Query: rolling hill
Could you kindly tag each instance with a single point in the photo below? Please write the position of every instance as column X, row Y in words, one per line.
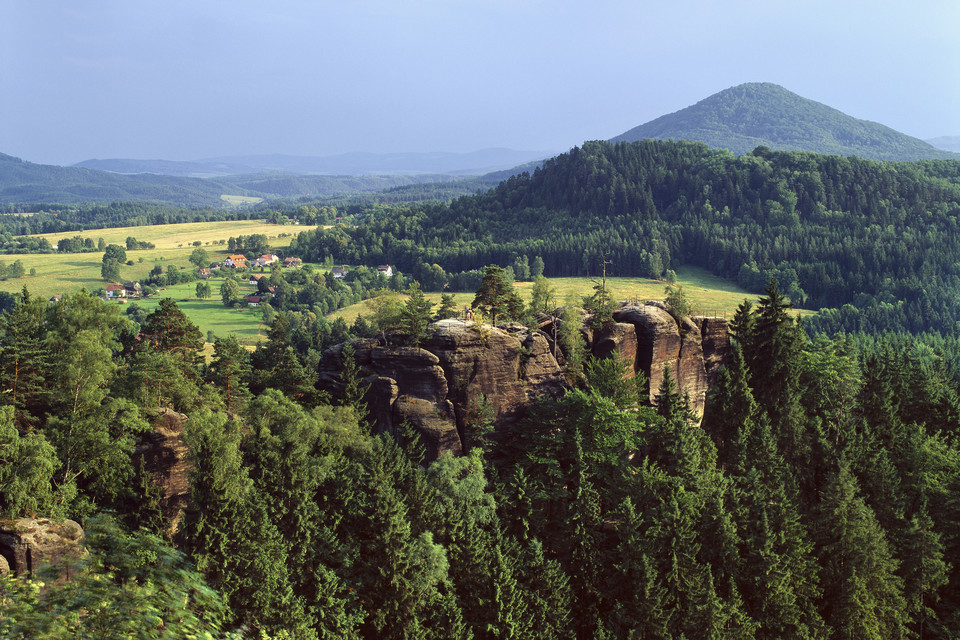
column 750, row 115
column 22, row 181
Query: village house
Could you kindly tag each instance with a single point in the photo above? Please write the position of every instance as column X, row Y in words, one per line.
column 292, row 262
column 339, row 272
column 266, row 260
column 204, row 273
column 255, row 278
column 214, row 266
column 116, row 291
column 253, row 301
column 235, row 262
column 133, row 289
column 385, row 270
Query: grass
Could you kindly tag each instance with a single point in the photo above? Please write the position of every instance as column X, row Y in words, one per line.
column 708, row 294
column 210, row 314
column 175, row 236
column 69, row 272
column 236, row 201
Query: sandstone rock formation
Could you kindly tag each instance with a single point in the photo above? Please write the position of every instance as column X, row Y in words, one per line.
column 27, row 543
column 164, row 455
column 436, row 388
column 692, row 348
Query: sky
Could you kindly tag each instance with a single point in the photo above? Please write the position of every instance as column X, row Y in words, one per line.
column 193, row 79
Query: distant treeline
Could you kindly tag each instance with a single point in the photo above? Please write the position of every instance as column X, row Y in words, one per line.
column 876, row 242
column 56, row 218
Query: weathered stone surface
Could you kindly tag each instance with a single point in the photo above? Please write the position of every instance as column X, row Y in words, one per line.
column 658, row 341
column 689, row 371
column 437, row 387
column 382, row 392
column 436, row 424
column 479, row 359
column 617, row 339
column 694, row 348
column 540, row 370
column 164, row 455
column 715, row 338
column 27, row 544
column 416, row 371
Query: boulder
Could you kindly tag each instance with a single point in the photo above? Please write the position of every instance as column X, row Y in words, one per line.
column 164, row 455
column 28, row 543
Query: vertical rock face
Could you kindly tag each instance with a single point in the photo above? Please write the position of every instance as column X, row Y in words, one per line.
column 27, row 544
column 164, row 455
column 437, row 387
column 694, row 348
column 618, row 339
column 716, row 344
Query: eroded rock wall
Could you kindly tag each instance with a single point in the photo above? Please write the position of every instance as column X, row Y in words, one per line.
column 26, row 544
column 437, row 388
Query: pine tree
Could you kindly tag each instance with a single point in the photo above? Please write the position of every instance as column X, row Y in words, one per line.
column 24, row 359
column 230, row 370
column 862, row 594
column 415, row 316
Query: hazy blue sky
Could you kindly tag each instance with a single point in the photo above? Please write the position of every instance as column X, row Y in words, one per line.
column 187, row 79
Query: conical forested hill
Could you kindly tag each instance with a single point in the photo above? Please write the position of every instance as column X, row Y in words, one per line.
column 750, row 115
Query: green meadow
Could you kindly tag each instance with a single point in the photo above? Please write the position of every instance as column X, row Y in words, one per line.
column 210, row 315
column 65, row 272
column 709, row 295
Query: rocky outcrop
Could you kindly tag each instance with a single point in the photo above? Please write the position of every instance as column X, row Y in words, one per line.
column 437, row 388
column 715, row 339
column 692, row 348
column 163, row 453
column 28, row 543
column 617, row 339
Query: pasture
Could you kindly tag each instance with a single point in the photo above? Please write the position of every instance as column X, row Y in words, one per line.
column 246, row 323
column 709, row 295
column 67, row 272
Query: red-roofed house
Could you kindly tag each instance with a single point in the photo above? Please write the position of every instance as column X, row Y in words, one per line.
column 235, row 262
column 116, row 291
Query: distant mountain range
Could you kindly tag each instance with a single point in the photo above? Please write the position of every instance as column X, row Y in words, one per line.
column 349, row 164
column 947, row 143
column 739, row 119
column 22, row 181
column 763, row 114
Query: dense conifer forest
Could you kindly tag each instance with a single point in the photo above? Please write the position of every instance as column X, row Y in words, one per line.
column 875, row 244
column 818, row 498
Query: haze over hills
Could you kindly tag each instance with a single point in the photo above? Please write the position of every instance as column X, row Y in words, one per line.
column 947, row 143
column 22, row 181
column 746, row 116
column 353, row 164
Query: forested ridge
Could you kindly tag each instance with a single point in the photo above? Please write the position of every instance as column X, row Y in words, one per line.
column 749, row 115
column 818, row 500
column 874, row 243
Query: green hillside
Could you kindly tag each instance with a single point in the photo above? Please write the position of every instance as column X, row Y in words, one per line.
column 877, row 242
column 747, row 116
column 22, row 181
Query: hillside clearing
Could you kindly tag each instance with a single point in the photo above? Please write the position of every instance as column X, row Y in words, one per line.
column 709, row 294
